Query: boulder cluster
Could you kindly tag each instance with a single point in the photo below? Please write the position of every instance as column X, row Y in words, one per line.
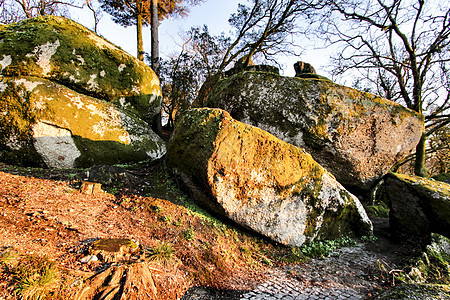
column 69, row 98
column 260, row 181
column 277, row 155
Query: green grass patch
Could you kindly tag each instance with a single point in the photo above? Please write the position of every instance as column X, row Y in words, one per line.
column 164, row 253
column 318, row 249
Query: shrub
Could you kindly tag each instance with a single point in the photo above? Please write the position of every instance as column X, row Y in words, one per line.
column 35, row 277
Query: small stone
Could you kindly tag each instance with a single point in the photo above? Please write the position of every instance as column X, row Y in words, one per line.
column 89, row 258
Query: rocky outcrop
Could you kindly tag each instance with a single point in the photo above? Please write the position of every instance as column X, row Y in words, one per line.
column 418, row 206
column 259, row 181
column 47, row 124
column 301, row 68
column 357, row 136
column 69, row 98
column 63, row 51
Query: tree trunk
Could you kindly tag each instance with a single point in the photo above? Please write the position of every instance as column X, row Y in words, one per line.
column 419, row 165
column 42, row 8
column 154, row 36
column 140, row 43
column 157, row 123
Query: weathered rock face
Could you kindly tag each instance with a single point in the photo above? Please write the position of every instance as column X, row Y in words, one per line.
column 259, row 181
column 303, row 68
column 69, row 98
column 44, row 123
column 63, row 51
column 418, row 206
column 356, row 136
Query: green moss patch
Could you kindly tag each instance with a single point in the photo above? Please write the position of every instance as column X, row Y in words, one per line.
column 102, row 133
column 381, row 210
column 427, row 185
column 70, row 54
column 106, row 153
column 416, row 291
column 258, row 180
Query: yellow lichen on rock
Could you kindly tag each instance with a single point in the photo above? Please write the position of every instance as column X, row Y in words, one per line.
column 260, row 181
column 63, row 51
column 69, row 129
column 355, row 135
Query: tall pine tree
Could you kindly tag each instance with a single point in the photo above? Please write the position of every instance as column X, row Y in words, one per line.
column 137, row 13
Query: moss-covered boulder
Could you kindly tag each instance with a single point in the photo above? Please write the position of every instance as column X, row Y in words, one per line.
column 259, row 181
column 416, row 292
column 418, row 206
column 357, row 136
column 47, row 124
column 65, row 52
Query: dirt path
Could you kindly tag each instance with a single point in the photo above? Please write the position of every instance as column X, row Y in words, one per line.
column 349, row 273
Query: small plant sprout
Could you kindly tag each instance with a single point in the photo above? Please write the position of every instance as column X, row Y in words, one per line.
column 163, row 253
column 35, row 277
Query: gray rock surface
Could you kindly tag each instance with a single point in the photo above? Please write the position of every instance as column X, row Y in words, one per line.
column 69, row 98
column 261, row 182
column 356, row 136
column 66, row 129
column 65, row 52
column 418, row 206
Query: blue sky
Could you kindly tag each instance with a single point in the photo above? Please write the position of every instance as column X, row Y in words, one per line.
column 214, row 13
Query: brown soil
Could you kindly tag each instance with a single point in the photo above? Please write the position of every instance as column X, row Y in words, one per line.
column 44, row 216
column 41, row 217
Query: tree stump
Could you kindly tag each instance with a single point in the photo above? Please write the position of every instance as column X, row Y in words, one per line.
column 91, row 188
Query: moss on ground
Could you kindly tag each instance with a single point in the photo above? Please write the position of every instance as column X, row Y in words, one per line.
column 380, row 210
column 416, row 291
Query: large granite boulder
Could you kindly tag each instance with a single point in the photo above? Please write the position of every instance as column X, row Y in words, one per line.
column 356, row 136
column 63, row 51
column 47, row 124
column 259, row 181
column 69, row 98
column 418, row 206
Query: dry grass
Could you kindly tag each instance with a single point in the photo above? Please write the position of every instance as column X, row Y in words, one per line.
column 186, row 244
column 32, row 277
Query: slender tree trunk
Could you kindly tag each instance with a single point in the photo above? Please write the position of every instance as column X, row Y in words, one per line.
column 42, row 8
column 157, row 122
column 140, row 43
column 419, row 164
column 154, row 36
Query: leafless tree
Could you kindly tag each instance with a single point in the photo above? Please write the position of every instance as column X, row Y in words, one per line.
column 265, row 28
column 15, row 10
column 398, row 47
column 96, row 13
